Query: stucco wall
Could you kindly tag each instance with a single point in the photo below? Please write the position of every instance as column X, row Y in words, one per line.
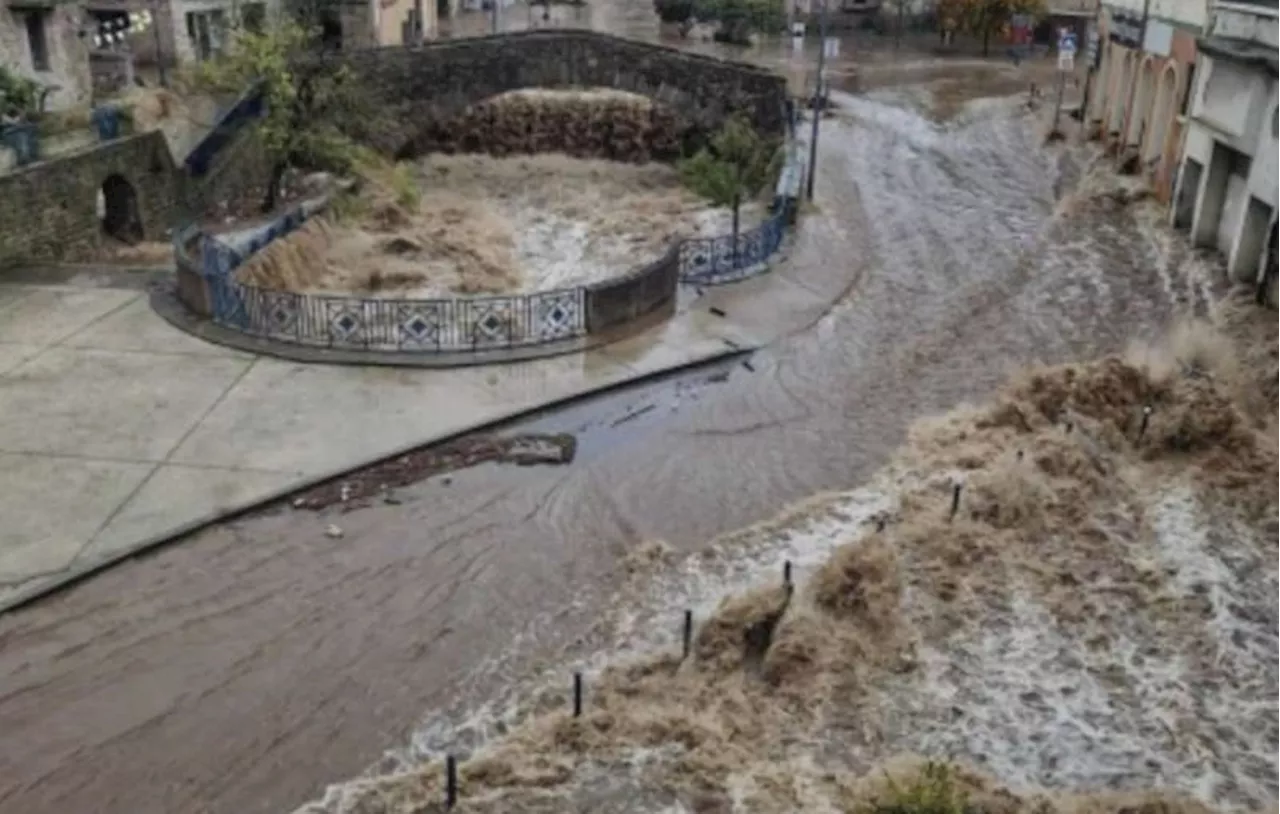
column 1232, row 99
column 49, row 209
column 1262, row 173
column 68, row 53
column 440, row 80
column 1253, row 24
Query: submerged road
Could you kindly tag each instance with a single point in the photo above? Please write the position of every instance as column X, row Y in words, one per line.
column 246, row 667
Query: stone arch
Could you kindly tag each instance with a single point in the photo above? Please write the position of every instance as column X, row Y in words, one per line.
column 444, row 78
column 1162, row 113
column 119, row 213
column 1140, row 112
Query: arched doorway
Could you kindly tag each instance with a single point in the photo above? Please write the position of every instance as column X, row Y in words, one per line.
column 1161, row 115
column 1120, row 91
column 1102, row 85
column 119, row 210
column 1140, row 113
column 1270, row 271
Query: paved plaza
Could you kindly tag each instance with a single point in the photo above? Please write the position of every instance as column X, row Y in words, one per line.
column 118, row 431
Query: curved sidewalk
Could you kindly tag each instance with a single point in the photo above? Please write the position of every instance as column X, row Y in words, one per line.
column 119, row 432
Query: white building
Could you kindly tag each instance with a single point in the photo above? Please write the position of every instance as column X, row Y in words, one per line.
column 1227, row 187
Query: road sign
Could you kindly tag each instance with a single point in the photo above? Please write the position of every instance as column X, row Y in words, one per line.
column 1066, row 41
column 831, row 47
column 1066, row 61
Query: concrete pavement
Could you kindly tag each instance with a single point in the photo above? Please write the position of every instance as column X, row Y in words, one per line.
column 118, row 431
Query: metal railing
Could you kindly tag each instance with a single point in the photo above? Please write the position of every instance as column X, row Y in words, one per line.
column 437, row 325
column 724, row 259
column 249, row 106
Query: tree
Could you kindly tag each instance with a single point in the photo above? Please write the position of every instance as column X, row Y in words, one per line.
column 983, row 18
column 307, row 97
column 21, row 99
column 674, row 11
column 737, row 164
column 739, row 19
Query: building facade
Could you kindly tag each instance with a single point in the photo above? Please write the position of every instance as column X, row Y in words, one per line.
column 1227, row 186
column 1140, row 92
column 44, row 40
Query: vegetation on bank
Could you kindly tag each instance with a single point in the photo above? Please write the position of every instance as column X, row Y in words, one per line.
column 736, row 20
column 308, row 99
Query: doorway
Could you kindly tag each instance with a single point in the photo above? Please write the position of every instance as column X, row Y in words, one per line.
column 119, row 211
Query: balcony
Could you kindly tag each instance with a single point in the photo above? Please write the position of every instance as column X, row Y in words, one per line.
column 1245, row 26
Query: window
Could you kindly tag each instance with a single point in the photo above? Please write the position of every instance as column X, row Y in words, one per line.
column 205, row 30
column 1188, row 90
column 253, row 16
column 35, row 40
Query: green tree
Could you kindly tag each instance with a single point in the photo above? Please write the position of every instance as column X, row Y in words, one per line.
column 737, row 164
column 985, row 18
column 21, row 99
column 739, row 19
column 674, row 11
column 307, row 97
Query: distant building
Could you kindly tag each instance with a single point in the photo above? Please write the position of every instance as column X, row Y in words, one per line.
column 370, row 23
column 42, row 40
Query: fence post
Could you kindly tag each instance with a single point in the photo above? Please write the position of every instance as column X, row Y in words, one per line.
column 688, row 632
column 450, row 781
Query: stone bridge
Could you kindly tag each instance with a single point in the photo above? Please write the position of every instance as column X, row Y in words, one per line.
column 439, row 80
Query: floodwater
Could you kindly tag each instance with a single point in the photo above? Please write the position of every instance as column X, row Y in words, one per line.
column 250, row 666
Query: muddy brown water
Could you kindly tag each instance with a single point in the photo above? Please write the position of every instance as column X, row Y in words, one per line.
column 246, row 667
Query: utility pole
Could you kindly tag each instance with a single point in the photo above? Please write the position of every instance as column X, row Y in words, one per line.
column 164, row 81
column 818, row 100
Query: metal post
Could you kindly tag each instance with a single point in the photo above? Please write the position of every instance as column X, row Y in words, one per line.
column 155, row 27
column 688, row 632
column 817, row 101
column 450, row 781
column 1057, row 105
column 495, row 16
column 577, row 695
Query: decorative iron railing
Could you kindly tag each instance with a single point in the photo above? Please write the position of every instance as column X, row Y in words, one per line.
column 455, row 324
column 724, row 259
column 422, row 325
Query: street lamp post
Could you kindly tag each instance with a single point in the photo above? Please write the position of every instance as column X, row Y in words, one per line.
column 817, row 101
column 159, row 50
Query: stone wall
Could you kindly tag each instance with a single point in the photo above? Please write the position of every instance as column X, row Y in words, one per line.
column 612, row 304
column 608, row 125
column 49, row 209
column 438, row 81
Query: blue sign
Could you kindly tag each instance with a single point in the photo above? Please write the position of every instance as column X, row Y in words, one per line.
column 1066, row 41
